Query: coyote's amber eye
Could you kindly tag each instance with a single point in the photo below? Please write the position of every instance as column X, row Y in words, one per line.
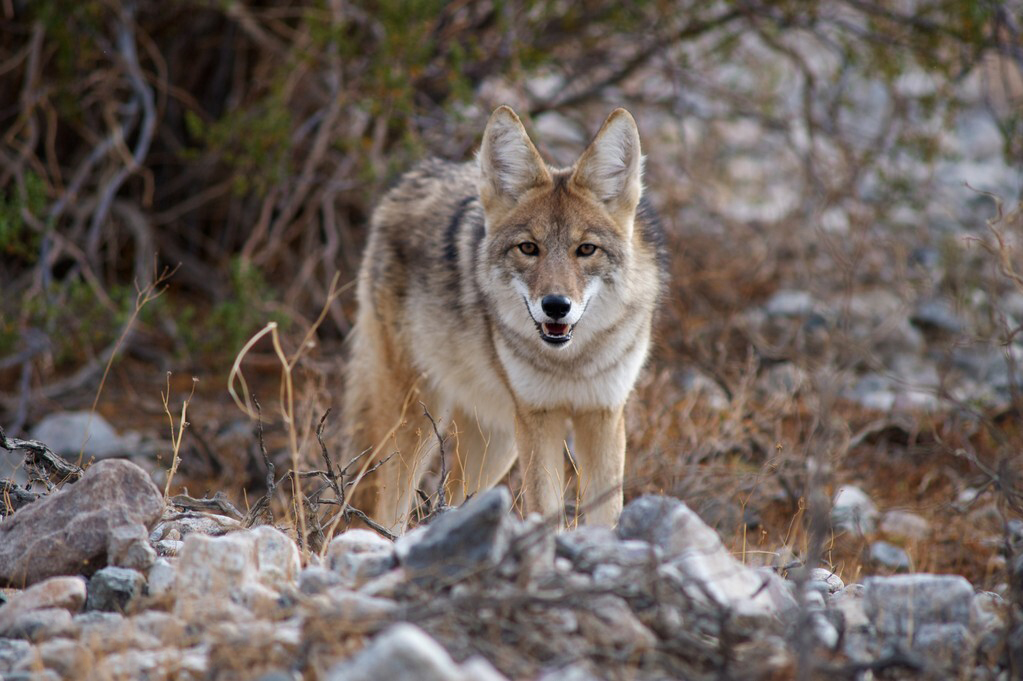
column 586, row 250
column 529, row 248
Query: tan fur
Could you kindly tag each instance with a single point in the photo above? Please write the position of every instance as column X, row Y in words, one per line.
column 450, row 313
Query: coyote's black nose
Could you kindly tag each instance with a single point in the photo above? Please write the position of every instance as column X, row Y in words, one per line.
column 555, row 306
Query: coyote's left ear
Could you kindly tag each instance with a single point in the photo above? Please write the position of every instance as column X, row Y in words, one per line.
column 611, row 168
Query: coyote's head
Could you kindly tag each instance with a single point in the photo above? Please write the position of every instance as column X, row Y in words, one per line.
column 559, row 242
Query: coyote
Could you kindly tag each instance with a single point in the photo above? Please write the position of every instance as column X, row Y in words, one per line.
column 510, row 298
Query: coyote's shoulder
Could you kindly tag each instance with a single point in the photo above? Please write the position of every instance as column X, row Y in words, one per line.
column 509, row 297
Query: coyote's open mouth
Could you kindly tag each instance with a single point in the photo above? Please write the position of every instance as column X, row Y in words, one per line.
column 555, row 334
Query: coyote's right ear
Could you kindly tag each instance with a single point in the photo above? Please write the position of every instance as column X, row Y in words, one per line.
column 509, row 163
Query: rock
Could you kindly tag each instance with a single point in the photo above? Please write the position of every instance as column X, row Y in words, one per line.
column 402, row 652
column 56, row 592
column 315, row 580
column 889, row 556
column 113, row 588
column 12, row 652
column 278, row 561
column 577, row 671
column 38, row 625
column 213, row 574
column 849, row 601
column 160, row 582
column 608, row 623
column 130, row 548
column 853, row 511
column 168, row 548
column 357, row 556
column 72, row 530
column 65, row 433
column 937, row 316
column 988, row 626
column 592, row 546
column 786, row 303
column 944, row 646
column 163, row 663
column 905, row 525
column 832, row 582
column 350, row 611
column 464, row 541
column 175, row 524
column 901, row 604
column 532, row 550
column 697, row 561
column 66, row 657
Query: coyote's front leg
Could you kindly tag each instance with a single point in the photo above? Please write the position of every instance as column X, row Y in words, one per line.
column 600, row 452
column 540, row 437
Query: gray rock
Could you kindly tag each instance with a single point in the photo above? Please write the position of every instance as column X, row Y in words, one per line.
column 464, row 541
column 943, row 646
column 175, row 525
column 339, row 609
column 850, row 603
column 57, row 592
column 402, row 652
column 591, row 546
column 905, row 525
column 168, row 548
column 130, row 548
column 66, row 657
column 532, row 550
column 315, row 580
column 937, row 315
column 38, row 625
column 901, row 604
column 853, row 511
column 66, row 432
column 890, row 556
column 213, row 574
column 278, row 561
column 112, row 589
column 574, row 672
column 160, row 580
column 72, row 530
column 787, row 303
column 12, row 652
column 832, row 582
column 357, row 556
column 698, row 563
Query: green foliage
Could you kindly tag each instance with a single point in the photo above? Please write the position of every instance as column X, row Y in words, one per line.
column 221, row 332
column 17, row 238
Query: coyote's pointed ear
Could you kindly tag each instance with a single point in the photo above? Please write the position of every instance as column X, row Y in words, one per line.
column 509, row 163
column 611, row 168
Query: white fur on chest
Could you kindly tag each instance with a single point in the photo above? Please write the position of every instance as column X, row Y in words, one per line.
column 604, row 382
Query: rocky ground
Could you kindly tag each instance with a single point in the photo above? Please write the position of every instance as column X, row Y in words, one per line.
column 112, row 583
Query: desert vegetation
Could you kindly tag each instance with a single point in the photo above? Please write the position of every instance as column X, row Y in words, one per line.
column 185, row 189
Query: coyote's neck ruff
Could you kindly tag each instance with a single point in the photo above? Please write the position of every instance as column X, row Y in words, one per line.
column 511, row 298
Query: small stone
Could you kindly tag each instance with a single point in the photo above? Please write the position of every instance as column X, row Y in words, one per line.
column 608, row 623
column 479, row 669
column 697, row 561
column 900, row 604
column 832, row 581
column 890, row 556
column 850, row 603
column 315, row 580
column 70, row 432
column 38, row 625
column 56, row 592
column 130, row 548
column 577, row 671
column 112, row 589
column 160, row 581
column 464, row 541
column 168, row 548
column 12, row 652
column 787, row 303
column 212, row 573
column 937, row 315
column 853, row 511
column 277, row 556
column 402, row 652
column 905, row 525
column 72, row 530
column 357, row 556
column 943, row 647
column 65, row 656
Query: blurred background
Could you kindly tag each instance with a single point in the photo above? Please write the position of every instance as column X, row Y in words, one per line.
column 840, row 182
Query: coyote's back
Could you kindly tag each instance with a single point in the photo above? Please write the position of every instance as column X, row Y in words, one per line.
column 510, row 298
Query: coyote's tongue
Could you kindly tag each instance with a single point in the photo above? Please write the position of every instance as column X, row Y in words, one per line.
column 555, row 329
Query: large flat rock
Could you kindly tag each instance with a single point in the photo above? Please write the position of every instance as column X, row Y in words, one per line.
column 73, row 530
